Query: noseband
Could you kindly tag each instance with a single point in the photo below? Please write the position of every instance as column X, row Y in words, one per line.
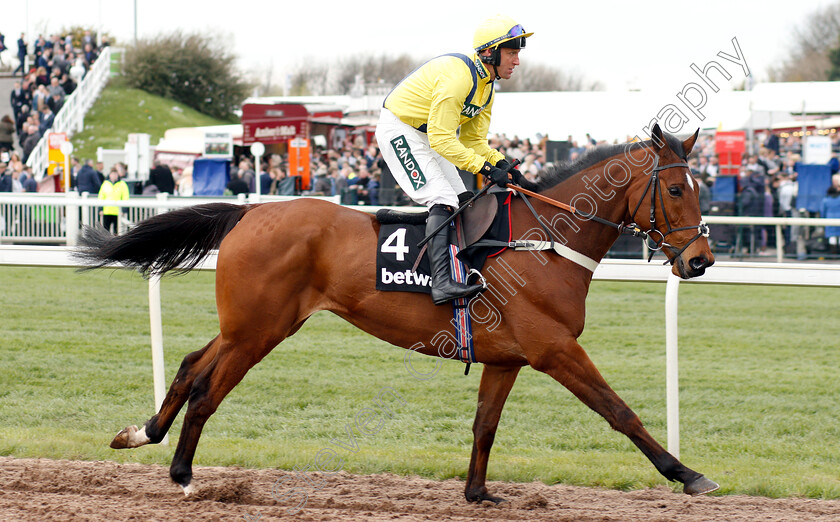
column 655, row 189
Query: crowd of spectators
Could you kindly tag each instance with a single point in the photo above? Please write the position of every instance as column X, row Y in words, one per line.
column 15, row 176
column 58, row 65
column 766, row 183
column 354, row 171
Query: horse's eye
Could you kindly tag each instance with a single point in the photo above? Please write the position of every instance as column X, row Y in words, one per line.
column 675, row 191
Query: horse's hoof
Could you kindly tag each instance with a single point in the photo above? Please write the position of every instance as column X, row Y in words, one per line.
column 122, row 438
column 189, row 489
column 130, row 437
column 478, row 498
column 700, row 486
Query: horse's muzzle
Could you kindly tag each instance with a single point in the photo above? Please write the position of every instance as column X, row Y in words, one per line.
column 695, row 267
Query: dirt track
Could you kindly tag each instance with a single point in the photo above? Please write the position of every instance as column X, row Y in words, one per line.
column 41, row 489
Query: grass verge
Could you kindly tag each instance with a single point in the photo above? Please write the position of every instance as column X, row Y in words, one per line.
column 121, row 110
column 758, row 387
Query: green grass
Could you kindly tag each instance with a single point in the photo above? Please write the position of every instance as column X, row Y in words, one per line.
column 121, row 110
column 758, row 384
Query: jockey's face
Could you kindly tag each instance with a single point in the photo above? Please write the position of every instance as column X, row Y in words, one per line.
column 510, row 59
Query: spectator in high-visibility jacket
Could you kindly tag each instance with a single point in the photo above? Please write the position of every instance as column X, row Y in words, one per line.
column 113, row 189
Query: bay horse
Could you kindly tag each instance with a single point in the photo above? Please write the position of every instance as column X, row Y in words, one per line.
column 279, row 263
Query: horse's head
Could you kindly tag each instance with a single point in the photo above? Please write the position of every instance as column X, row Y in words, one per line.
column 669, row 198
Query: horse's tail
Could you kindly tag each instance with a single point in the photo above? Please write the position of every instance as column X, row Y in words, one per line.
column 175, row 241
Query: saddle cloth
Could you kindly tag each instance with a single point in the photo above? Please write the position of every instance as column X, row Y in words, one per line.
column 399, row 233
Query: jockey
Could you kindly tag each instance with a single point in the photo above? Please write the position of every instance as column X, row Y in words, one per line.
column 418, row 134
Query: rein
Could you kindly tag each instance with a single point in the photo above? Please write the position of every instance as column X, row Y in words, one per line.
column 655, row 189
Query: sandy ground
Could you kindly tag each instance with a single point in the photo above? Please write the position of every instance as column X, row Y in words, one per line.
column 42, row 490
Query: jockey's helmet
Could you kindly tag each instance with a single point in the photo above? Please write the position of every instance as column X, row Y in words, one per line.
column 497, row 32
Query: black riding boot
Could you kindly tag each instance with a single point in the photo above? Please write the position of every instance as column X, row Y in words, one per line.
column 444, row 288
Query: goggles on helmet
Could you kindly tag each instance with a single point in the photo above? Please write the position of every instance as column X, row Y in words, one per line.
column 516, row 30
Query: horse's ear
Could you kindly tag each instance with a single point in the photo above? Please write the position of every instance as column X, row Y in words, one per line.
column 688, row 144
column 658, row 139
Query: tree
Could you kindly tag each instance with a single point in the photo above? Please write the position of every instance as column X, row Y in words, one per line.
column 380, row 69
column 345, row 76
column 193, row 69
column 310, row 80
column 811, row 45
column 541, row 78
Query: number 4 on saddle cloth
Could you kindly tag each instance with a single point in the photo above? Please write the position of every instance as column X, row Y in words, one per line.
column 397, row 269
column 399, row 232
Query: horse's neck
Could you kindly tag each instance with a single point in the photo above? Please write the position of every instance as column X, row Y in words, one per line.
column 591, row 192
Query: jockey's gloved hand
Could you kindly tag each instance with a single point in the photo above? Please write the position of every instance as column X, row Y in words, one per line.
column 505, row 165
column 465, row 196
column 518, row 177
column 495, row 174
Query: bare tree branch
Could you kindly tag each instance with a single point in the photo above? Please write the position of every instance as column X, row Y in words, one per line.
column 344, row 76
column 808, row 58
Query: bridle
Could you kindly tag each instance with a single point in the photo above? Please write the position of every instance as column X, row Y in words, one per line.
column 655, row 188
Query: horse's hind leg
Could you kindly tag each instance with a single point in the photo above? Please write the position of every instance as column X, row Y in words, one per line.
column 207, row 392
column 571, row 366
column 156, row 427
column 496, row 382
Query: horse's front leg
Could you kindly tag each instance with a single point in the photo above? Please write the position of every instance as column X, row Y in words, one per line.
column 496, row 382
column 570, row 365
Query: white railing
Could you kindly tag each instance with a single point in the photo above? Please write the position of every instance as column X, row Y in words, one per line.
column 46, row 218
column 776, row 222
column 71, row 117
column 789, row 274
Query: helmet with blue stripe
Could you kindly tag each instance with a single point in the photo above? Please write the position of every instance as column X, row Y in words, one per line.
column 498, row 32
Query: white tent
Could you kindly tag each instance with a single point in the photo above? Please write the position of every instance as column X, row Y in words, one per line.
column 617, row 115
column 190, row 140
column 609, row 115
column 797, row 97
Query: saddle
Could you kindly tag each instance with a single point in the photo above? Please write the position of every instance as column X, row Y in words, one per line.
column 475, row 219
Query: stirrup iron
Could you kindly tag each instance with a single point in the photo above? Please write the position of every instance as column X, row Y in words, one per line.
column 481, row 279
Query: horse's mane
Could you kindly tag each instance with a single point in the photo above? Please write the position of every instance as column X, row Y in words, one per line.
column 555, row 174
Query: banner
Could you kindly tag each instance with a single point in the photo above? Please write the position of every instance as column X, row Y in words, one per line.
column 299, row 161
column 210, row 177
column 817, row 150
column 730, row 148
column 54, row 154
column 218, row 145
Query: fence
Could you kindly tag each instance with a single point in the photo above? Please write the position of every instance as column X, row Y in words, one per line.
column 71, row 117
column 57, row 218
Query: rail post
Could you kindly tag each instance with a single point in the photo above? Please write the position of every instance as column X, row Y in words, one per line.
column 672, row 379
